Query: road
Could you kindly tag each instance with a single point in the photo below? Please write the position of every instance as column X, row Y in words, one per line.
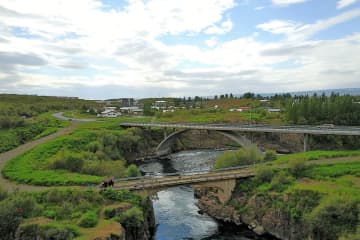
column 60, row 116
column 304, row 129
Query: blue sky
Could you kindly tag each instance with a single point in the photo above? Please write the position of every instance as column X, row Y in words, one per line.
column 104, row 49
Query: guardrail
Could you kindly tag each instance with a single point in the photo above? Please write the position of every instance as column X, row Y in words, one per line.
column 183, row 173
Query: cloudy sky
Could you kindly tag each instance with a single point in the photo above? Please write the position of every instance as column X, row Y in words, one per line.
column 98, row 49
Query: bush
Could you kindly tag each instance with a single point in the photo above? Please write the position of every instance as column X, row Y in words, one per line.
column 297, row 167
column 121, row 196
column 109, row 213
column 47, row 231
column 132, row 217
column 68, row 161
column 281, row 181
column 264, row 174
column 132, row 171
column 89, row 219
column 270, row 155
column 244, row 156
column 334, row 217
column 10, row 220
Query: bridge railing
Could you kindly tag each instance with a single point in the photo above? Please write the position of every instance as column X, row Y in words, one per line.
column 183, row 173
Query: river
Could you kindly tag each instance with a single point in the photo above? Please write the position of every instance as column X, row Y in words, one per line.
column 176, row 214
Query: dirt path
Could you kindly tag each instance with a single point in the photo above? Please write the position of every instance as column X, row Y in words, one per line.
column 6, row 156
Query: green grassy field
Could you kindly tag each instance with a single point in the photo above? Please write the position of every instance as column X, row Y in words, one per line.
column 38, row 127
column 316, row 155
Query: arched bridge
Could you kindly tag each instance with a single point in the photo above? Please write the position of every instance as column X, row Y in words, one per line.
column 232, row 131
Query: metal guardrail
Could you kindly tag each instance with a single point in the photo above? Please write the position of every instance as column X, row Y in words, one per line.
column 317, row 130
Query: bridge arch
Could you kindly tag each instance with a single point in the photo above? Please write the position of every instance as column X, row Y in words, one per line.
column 165, row 146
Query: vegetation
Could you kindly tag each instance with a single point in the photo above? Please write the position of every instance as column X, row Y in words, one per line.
column 323, row 198
column 243, row 156
column 85, row 156
column 316, row 155
column 61, row 214
column 24, row 117
column 339, row 110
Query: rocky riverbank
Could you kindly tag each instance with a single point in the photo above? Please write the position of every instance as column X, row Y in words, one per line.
column 252, row 211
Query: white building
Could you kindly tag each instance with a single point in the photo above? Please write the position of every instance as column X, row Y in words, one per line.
column 109, row 112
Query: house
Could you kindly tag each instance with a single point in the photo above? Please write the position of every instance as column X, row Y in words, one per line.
column 109, row 112
column 159, row 105
column 131, row 110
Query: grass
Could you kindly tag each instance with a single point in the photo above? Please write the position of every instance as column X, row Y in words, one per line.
column 326, row 188
column 316, row 155
column 333, row 170
column 30, row 167
column 35, row 128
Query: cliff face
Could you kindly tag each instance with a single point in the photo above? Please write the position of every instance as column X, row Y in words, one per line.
column 146, row 230
column 252, row 211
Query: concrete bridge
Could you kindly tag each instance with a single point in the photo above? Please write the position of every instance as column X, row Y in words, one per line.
column 168, row 180
column 232, row 131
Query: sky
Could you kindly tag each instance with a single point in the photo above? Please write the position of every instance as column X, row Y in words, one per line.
column 100, row 49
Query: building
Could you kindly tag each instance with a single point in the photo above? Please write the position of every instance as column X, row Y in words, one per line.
column 126, row 102
column 109, row 112
column 131, row 110
column 160, row 105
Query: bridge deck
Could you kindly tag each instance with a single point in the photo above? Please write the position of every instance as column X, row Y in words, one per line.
column 316, row 130
column 150, row 183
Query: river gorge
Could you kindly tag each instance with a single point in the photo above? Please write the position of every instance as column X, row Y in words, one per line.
column 177, row 214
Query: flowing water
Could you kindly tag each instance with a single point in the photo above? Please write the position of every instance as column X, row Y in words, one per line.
column 176, row 213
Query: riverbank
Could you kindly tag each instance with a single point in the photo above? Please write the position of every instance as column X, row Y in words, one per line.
column 318, row 201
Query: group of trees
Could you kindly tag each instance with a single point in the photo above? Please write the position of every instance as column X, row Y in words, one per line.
column 335, row 109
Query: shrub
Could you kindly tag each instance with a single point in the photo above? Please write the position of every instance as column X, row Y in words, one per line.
column 297, row 167
column 264, row 174
column 68, row 161
column 109, row 213
column 281, row 181
column 3, row 194
column 121, row 196
column 10, row 220
column 270, row 155
column 334, row 217
column 94, row 146
column 132, row 171
column 89, row 219
column 244, row 156
column 132, row 217
column 47, row 231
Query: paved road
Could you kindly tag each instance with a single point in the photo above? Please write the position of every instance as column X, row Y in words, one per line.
column 316, row 130
column 60, row 116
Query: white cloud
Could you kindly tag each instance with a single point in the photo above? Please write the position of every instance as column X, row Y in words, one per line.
column 279, row 26
column 259, row 8
column 344, row 3
column 297, row 31
column 121, row 52
column 286, row 2
column 224, row 27
column 212, row 42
